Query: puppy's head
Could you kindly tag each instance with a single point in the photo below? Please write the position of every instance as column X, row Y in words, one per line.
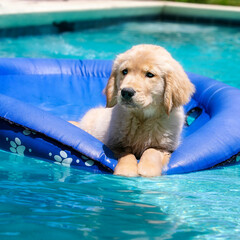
column 147, row 76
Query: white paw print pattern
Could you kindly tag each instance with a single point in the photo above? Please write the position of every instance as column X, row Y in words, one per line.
column 27, row 132
column 17, row 147
column 63, row 159
column 88, row 162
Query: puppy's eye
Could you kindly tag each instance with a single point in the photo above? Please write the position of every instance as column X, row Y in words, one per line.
column 124, row 71
column 149, row 75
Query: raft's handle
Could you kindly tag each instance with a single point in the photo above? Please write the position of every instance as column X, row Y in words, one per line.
column 192, row 115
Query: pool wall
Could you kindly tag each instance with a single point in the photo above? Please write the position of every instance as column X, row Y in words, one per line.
column 29, row 14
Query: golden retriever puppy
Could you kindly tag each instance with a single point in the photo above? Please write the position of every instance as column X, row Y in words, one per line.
column 144, row 114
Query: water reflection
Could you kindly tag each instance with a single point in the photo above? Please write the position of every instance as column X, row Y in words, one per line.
column 54, row 199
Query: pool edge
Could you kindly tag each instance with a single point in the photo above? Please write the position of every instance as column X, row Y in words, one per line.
column 36, row 14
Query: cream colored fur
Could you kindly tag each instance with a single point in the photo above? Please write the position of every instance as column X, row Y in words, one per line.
column 149, row 126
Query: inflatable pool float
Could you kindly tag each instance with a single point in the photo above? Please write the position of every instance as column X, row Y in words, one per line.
column 38, row 96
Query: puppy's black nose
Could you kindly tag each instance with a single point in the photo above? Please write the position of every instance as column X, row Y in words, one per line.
column 127, row 93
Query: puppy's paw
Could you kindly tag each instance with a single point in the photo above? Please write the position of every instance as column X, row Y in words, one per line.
column 127, row 171
column 127, row 166
column 151, row 163
column 149, row 169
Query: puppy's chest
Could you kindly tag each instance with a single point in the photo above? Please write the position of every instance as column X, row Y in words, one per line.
column 140, row 135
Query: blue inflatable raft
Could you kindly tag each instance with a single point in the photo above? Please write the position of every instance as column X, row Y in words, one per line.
column 38, row 96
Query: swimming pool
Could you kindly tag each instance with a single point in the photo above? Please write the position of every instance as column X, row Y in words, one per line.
column 40, row 200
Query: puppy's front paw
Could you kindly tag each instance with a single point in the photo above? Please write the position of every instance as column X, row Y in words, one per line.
column 149, row 169
column 152, row 162
column 127, row 166
column 127, row 171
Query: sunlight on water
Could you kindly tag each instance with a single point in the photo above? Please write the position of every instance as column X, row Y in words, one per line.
column 38, row 196
column 41, row 200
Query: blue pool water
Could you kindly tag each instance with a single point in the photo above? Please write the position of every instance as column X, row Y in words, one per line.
column 41, row 200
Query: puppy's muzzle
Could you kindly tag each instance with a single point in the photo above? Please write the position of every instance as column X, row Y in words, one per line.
column 127, row 94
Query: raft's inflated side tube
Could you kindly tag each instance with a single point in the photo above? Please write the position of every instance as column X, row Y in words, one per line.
column 37, row 96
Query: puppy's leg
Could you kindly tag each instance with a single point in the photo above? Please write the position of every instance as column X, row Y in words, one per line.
column 127, row 166
column 152, row 162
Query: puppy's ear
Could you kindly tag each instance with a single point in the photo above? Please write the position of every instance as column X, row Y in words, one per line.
column 111, row 89
column 178, row 88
